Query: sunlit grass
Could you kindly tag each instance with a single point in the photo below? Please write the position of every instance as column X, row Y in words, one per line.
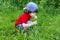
column 48, row 27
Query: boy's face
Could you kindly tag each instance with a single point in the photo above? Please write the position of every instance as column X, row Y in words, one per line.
column 33, row 15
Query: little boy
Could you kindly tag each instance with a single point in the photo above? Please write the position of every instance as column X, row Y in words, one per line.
column 23, row 21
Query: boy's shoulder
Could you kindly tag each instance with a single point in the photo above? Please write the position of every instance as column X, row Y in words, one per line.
column 25, row 15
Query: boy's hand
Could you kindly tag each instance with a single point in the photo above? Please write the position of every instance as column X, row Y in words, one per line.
column 35, row 17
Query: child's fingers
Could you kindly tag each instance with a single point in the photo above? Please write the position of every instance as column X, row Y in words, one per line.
column 35, row 17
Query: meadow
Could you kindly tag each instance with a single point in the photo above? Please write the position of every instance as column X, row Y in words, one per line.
column 48, row 27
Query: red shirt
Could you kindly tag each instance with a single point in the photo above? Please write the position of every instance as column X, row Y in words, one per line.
column 24, row 18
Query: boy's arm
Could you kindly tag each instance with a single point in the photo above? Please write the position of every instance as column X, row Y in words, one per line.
column 28, row 25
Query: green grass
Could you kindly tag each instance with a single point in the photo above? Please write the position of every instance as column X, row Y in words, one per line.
column 48, row 27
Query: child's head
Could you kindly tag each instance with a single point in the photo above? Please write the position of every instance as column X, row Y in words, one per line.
column 31, row 8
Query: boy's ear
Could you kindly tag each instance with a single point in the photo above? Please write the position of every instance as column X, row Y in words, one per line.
column 26, row 11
